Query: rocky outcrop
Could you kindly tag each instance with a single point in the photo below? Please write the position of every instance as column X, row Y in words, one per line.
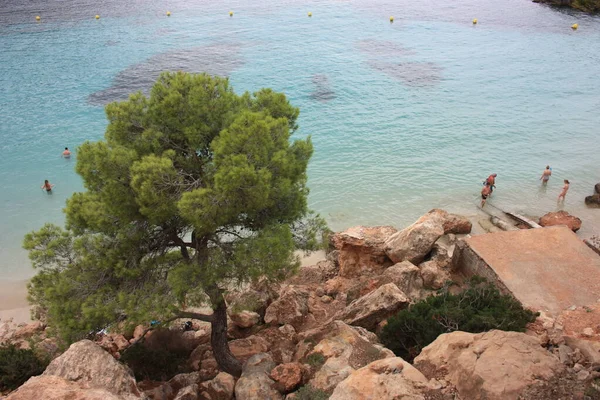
column 597, row 188
column 391, row 378
column 591, row 7
column 56, row 388
column 84, row 371
column 495, row 365
column 220, row 387
column 593, row 243
column 88, row 364
column 290, row 308
column 255, row 382
column 416, row 241
column 561, row 218
column 376, row 306
column 335, row 350
column 361, row 249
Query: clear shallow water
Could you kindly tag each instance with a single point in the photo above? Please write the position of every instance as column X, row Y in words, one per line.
column 404, row 117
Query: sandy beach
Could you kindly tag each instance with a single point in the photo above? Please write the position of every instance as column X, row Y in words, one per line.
column 13, row 300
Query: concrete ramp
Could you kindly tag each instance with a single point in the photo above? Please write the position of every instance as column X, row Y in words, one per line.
column 547, row 269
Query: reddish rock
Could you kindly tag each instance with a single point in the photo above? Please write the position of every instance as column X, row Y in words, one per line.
column 361, row 249
column 138, row 332
column 219, row 388
column 290, row 308
column 243, row 349
column 287, row 377
column 561, row 218
column 378, row 305
column 29, row 330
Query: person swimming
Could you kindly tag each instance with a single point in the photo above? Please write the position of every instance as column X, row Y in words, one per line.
column 564, row 191
column 546, row 175
column 66, row 153
column 47, row 186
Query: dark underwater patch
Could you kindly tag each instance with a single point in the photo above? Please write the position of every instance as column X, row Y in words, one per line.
column 215, row 59
column 411, row 73
column 323, row 91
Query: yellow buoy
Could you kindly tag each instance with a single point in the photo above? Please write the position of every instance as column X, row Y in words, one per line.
column 574, row 26
column 310, row 14
column 97, row 17
column 168, row 13
column 474, row 21
column 231, row 13
column 391, row 19
column 37, row 18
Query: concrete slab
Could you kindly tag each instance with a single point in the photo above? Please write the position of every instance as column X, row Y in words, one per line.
column 546, row 269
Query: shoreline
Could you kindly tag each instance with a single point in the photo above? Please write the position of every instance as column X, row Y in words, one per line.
column 13, row 301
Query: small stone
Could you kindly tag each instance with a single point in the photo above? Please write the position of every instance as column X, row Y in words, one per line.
column 588, row 332
column 577, row 367
column 583, row 375
column 320, row 291
column 326, row 299
column 572, row 308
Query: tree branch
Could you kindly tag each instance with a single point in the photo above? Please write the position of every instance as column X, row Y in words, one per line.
column 193, row 315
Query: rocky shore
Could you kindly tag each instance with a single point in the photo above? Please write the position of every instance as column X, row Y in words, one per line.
column 588, row 6
column 314, row 336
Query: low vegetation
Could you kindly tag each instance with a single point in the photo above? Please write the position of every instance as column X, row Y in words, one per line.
column 479, row 308
column 18, row 365
column 309, row 393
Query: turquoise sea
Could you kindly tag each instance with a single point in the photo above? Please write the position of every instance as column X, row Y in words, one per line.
column 404, row 116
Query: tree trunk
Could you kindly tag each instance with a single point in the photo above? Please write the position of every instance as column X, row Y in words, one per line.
column 218, row 339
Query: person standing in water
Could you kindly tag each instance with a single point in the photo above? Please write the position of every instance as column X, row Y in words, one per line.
column 485, row 192
column 491, row 182
column 546, row 175
column 66, row 153
column 564, row 191
column 47, row 186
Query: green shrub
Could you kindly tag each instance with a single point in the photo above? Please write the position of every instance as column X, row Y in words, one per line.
column 17, row 365
column 479, row 308
column 309, row 393
column 315, row 360
column 155, row 364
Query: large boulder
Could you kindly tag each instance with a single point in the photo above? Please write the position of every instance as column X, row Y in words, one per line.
column 593, row 200
column 290, row 308
column 415, row 242
column 432, row 275
column 361, row 249
column 561, row 218
column 495, row 365
column 244, row 319
column 219, row 388
column 55, row 388
column 243, row 349
column 92, row 367
column 255, row 382
column 390, row 378
column 376, row 306
column 335, row 350
column 407, row 277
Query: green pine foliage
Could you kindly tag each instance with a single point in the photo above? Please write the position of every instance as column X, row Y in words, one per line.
column 193, row 190
column 479, row 308
column 18, row 365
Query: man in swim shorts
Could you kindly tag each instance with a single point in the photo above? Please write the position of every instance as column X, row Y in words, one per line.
column 485, row 193
column 546, row 175
column 66, row 153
